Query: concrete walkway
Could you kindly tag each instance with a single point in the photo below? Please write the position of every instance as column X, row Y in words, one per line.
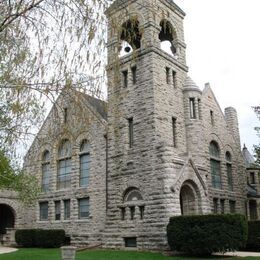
column 241, row 254
column 4, row 250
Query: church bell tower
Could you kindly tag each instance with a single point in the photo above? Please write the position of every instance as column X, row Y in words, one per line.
column 146, row 70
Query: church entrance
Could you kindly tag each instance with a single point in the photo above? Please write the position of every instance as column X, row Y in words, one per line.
column 189, row 200
column 7, row 218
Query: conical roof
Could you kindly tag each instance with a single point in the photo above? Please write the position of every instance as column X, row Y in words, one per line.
column 248, row 157
column 189, row 84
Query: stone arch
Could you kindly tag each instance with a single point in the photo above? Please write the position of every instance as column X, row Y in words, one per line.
column 131, row 184
column 190, row 199
column 130, row 34
column 81, row 137
column 60, row 138
column 229, row 148
column 215, row 138
column 43, row 148
column 7, row 217
column 132, row 194
column 168, row 37
column 173, row 23
column 133, row 204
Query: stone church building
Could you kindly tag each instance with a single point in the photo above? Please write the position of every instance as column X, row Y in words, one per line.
column 113, row 173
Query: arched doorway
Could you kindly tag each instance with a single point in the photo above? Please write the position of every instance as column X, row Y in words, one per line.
column 7, row 218
column 189, row 200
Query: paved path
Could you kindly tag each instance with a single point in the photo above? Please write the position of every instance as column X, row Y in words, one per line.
column 241, row 254
column 4, row 250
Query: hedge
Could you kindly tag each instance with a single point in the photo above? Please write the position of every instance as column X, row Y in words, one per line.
column 205, row 234
column 40, row 238
column 253, row 241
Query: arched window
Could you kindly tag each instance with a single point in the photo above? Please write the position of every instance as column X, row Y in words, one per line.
column 167, row 37
column 64, row 165
column 130, row 36
column 132, row 201
column 215, row 165
column 133, row 195
column 45, row 172
column 84, row 159
column 229, row 170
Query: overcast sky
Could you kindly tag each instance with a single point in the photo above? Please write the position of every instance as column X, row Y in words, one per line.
column 223, row 48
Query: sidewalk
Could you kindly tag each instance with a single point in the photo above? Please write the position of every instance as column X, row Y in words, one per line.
column 241, row 254
column 4, row 250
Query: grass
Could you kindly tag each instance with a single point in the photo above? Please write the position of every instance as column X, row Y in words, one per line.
column 54, row 254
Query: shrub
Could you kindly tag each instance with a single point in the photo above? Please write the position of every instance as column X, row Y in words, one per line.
column 203, row 235
column 25, row 237
column 40, row 238
column 253, row 241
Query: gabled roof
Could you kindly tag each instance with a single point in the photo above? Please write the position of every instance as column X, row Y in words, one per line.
column 99, row 105
column 208, row 91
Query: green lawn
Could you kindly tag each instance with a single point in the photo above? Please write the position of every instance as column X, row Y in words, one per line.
column 54, row 254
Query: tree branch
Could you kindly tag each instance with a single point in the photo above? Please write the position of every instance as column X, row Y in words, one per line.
column 12, row 17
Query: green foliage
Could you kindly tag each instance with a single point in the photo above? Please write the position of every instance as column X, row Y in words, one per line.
column 205, row 234
column 253, row 241
column 16, row 180
column 7, row 175
column 45, row 45
column 25, row 237
column 40, row 238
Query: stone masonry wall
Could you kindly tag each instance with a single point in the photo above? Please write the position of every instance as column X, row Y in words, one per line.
column 219, row 131
column 155, row 165
column 82, row 123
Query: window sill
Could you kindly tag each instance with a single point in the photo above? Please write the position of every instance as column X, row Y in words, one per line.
column 42, row 221
column 66, row 221
column 83, row 220
column 217, row 189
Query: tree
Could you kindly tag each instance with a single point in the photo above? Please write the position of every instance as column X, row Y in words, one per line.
column 44, row 45
column 16, row 180
column 257, row 147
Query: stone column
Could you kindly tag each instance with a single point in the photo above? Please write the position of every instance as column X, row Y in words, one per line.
column 68, row 252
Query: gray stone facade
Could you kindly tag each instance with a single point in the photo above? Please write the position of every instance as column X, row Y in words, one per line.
column 150, row 155
column 84, row 122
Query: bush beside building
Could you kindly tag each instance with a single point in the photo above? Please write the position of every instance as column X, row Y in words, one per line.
column 205, row 234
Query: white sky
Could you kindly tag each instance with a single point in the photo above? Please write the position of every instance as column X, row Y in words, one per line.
column 223, row 48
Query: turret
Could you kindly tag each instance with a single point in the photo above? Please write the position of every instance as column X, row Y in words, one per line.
column 193, row 118
column 232, row 123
